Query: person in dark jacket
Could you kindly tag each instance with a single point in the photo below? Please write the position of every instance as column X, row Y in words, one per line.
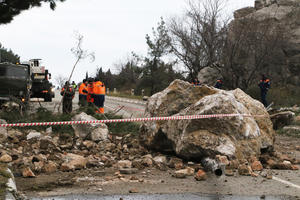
column 219, row 84
column 68, row 94
column 196, row 82
column 264, row 86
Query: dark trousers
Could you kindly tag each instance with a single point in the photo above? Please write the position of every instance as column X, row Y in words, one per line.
column 99, row 100
column 82, row 100
column 67, row 106
column 264, row 98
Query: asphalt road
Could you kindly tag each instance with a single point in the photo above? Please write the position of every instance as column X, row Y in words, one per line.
column 128, row 108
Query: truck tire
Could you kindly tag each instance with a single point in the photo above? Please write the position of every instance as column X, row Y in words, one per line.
column 48, row 98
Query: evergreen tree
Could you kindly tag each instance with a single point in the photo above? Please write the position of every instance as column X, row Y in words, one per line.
column 8, row 55
column 10, row 8
column 157, row 74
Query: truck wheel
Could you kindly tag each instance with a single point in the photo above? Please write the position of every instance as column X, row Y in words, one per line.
column 48, row 98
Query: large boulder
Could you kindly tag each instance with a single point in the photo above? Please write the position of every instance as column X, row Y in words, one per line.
column 236, row 137
column 94, row 132
column 209, row 75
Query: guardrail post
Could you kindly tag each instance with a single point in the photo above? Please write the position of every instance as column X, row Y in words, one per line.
column 132, row 92
column 143, row 91
column 115, row 90
column 107, row 90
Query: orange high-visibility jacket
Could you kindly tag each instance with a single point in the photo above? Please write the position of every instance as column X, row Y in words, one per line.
column 99, row 88
column 83, row 89
column 90, row 90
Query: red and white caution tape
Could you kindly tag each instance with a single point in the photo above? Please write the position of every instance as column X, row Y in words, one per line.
column 187, row 117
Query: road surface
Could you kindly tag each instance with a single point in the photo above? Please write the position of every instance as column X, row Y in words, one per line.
column 128, row 108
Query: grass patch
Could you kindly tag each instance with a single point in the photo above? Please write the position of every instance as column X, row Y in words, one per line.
column 4, row 176
column 290, row 133
column 42, row 115
column 114, row 128
column 286, row 96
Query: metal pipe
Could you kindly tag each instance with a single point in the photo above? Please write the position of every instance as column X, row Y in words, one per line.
column 212, row 165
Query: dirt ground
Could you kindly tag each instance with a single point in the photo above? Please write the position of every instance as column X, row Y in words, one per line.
column 153, row 181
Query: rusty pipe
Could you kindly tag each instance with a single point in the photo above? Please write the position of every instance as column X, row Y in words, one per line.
column 212, row 165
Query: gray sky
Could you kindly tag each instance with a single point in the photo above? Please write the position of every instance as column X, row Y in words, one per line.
column 111, row 29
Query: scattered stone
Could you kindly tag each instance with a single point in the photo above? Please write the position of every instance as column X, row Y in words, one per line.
column 137, row 163
column 222, row 160
column 33, row 134
column 180, row 174
column 95, row 132
column 5, row 158
column 200, row 175
column 147, row 161
column 100, row 173
column 50, row 167
column 282, row 119
column 245, row 170
column 229, row 172
column 27, row 173
column 49, row 130
column 173, row 161
column 184, row 172
column 233, row 164
column 133, row 190
column 88, row 144
column 73, row 162
column 256, row 166
column 295, row 167
column 38, row 166
column 46, row 143
column 178, row 165
column 124, row 164
column 128, row 170
column 160, row 159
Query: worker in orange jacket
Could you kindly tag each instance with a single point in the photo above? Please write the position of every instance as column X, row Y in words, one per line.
column 83, row 92
column 89, row 97
column 99, row 95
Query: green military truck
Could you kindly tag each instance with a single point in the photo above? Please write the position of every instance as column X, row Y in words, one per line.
column 15, row 82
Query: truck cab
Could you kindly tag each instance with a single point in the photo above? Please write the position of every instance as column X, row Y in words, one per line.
column 41, row 87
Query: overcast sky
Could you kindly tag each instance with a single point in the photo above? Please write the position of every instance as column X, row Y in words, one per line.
column 111, row 29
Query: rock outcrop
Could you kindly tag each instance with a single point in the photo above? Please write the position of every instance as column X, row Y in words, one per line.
column 235, row 137
column 284, row 14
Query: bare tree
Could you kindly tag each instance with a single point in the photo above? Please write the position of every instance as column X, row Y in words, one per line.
column 198, row 38
column 60, row 80
column 80, row 54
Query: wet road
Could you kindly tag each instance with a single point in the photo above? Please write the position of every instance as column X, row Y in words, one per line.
column 126, row 107
column 164, row 197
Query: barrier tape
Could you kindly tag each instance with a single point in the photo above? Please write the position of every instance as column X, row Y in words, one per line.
column 187, row 117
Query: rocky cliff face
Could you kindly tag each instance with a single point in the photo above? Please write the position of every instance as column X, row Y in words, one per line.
column 235, row 137
column 286, row 14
